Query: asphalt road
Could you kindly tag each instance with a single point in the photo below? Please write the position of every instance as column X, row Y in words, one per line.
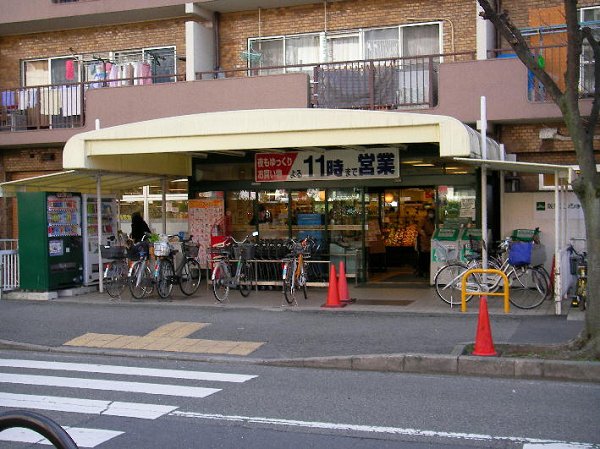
column 269, row 407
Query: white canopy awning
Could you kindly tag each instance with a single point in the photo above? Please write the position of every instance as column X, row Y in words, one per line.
column 164, row 146
column 564, row 171
column 83, row 181
column 141, row 152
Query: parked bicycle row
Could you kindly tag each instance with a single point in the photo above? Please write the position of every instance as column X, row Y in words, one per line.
column 529, row 285
column 132, row 267
column 233, row 265
column 236, row 267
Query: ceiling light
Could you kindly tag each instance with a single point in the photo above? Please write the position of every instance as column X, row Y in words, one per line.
column 423, row 165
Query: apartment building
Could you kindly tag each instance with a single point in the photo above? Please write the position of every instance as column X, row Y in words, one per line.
column 236, row 87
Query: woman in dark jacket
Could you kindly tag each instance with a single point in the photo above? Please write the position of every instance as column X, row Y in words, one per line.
column 138, row 227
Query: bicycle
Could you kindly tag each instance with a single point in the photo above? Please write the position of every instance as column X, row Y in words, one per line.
column 528, row 285
column 578, row 292
column 294, row 271
column 141, row 281
column 187, row 274
column 244, row 277
column 115, row 274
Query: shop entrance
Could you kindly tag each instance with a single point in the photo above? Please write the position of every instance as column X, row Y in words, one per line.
column 398, row 236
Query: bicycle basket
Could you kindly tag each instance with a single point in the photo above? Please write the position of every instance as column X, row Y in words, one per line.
column 245, row 250
column 112, row 252
column 519, row 253
column 162, row 249
column 191, row 249
column 133, row 252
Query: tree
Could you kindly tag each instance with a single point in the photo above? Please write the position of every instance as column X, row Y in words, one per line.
column 581, row 129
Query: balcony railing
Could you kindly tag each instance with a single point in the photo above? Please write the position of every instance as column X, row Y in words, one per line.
column 392, row 83
column 396, row 83
column 58, row 105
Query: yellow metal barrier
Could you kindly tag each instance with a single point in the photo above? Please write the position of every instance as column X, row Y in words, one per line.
column 505, row 293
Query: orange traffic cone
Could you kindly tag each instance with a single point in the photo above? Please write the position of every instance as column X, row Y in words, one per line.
column 483, row 340
column 333, row 297
column 343, row 293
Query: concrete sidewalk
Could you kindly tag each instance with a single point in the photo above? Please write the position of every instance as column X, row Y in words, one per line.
column 385, row 329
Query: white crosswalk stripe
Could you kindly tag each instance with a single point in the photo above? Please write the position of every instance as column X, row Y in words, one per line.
column 108, row 385
column 126, row 370
column 83, row 437
column 91, row 438
column 85, row 406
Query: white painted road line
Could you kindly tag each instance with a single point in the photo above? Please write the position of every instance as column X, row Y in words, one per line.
column 83, row 437
column 109, row 385
column 126, row 370
column 85, row 406
column 532, row 442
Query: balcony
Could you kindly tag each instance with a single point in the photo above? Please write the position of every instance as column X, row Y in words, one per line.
column 449, row 84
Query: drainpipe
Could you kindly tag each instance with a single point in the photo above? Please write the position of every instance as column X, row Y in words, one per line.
column 216, row 29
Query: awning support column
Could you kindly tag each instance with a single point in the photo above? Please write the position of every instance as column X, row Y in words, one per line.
column 557, row 246
column 99, row 230
column 164, row 205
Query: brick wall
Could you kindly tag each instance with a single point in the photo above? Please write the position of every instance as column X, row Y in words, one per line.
column 21, row 164
column 236, row 28
column 524, row 141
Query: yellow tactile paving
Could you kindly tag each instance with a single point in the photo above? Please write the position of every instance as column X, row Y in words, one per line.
column 170, row 337
column 179, row 329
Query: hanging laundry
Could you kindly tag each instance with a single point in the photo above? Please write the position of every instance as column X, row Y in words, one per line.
column 146, row 73
column 27, row 98
column 8, row 99
column 69, row 70
column 114, row 75
column 50, row 101
column 128, row 75
column 137, row 73
column 70, row 100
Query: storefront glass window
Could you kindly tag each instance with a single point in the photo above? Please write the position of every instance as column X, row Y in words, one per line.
column 239, row 210
column 272, row 214
column 457, row 206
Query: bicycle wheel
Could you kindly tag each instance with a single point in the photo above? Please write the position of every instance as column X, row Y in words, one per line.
column 220, row 280
column 448, row 283
column 528, row 287
column 115, row 278
column 164, row 279
column 190, row 277
column 140, row 280
column 247, row 279
column 289, row 290
column 301, row 280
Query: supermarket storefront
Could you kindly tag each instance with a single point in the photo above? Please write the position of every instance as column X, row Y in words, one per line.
column 360, row 181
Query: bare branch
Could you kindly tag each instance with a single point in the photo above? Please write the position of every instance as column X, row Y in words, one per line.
column 517, row 42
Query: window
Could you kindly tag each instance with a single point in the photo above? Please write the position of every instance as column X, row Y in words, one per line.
column 587, row 54
column 96, row 68
column 343, row 47
column 382, row 43
column 376, row 43
column 40, row 72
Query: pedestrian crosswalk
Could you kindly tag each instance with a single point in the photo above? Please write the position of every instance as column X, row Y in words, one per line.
column 139, row 381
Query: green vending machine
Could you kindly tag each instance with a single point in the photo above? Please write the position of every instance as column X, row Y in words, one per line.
column 50, row 240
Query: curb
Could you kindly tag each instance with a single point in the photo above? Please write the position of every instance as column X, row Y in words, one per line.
column 454, row 364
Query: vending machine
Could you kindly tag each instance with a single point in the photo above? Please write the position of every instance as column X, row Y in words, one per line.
column 108, row 208
column 50, row 240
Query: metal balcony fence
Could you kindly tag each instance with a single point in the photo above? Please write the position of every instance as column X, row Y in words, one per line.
column 384, row 84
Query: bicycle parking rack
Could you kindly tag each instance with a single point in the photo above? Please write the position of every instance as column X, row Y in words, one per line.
column 41, row 424
column 505, row 293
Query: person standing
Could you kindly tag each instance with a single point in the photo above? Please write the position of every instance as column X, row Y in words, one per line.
column 138, row 227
